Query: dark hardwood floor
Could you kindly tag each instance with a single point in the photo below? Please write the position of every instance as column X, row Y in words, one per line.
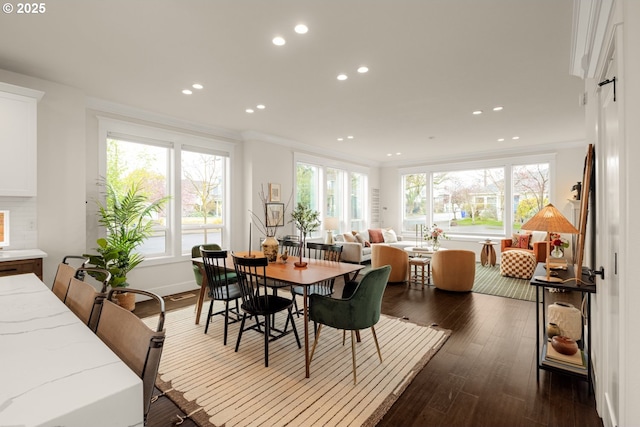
column 484, row 375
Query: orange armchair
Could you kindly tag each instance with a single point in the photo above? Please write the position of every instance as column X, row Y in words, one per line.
column 539, row 249
column 397, row 258
column 453, row 270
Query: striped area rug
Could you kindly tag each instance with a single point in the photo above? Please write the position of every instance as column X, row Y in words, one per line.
column 489, row 281
column 219, row 387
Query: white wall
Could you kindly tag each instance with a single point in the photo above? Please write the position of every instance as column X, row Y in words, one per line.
column 60, row 202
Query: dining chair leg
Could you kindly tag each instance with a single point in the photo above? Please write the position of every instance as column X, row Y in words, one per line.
column 244, row 317
column 353, row 355
column 209, row 316
column 375, row 339
column 293, row 326
column 315, row 342
column 267, row 326
column 226, row 321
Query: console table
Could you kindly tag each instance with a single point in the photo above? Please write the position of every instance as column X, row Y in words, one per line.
column 541, row 321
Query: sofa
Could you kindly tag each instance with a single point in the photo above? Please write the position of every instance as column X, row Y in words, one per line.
column 356, row 246
column 532, row 242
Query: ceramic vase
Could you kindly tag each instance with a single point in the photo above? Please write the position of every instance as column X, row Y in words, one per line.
column 270, row 248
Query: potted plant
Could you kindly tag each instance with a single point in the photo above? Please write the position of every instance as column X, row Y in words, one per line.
column 127, row 219
column 306, row 221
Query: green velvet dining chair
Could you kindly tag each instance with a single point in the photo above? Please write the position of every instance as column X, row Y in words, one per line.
column 359, row 311
column 195, row 253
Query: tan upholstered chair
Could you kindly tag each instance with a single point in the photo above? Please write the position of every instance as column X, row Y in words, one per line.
column 397, row 258
column 453, row 270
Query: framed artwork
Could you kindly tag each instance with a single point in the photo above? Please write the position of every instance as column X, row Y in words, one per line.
column 275, row 215
column 274, row 192
column 4, row 228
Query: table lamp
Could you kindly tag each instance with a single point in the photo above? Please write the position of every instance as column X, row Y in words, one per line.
column 549, row 219
column 330, row 224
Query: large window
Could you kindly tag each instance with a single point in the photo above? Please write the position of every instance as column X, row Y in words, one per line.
column 339, row 194
column 192, row 171
column 487, row 201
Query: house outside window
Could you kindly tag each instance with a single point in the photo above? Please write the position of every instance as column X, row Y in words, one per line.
column 473, row 201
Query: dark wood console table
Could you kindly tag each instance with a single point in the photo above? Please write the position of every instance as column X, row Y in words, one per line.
column 541, row 321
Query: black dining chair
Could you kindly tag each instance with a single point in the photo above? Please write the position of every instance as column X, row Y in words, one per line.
column 320, row 251
column 223, row 286
column 257, row 302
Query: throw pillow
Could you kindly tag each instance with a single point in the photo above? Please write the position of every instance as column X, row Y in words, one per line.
column 359, row 238
column 389, row 236
column 375, row 236
column 348, row 237
column 537, row 236
column 523, row 241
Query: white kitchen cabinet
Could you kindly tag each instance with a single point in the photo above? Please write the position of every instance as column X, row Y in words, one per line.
column 18, row 140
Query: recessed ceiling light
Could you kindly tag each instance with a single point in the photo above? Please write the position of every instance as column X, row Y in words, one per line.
column 350, row 137
column 342, row 77
column 278, row 41
column 389, row 155
column 260, row 107
column 340, row 139
column 363, row 69
column 197, row 86
column 498, row 108
column 187, row 91
column 516, row 137
column 249, row 110
column 477, row 112
column 397, row 154
column 500, row 139
column 301, row 29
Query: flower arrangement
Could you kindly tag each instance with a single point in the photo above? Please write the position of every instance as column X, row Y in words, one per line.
column 434, row 235
column 559, row 241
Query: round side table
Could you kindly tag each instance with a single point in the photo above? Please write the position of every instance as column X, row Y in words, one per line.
column 488, row 254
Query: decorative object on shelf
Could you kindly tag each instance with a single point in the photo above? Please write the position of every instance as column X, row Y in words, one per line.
column 127, row 216
column 549, row 219
column 284, row 256
column 567, row 317
column 435, row 235
column 306, row 221
column 564, row 345
column 558, row 245
column 553, row 329
column 577, row 190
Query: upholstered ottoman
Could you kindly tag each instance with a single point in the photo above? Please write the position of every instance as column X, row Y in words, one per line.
column 519, row 264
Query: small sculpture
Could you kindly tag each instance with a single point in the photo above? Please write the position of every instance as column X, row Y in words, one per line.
column 284, row 256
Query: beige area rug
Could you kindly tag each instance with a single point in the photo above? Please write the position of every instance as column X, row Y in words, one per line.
column 220, row 387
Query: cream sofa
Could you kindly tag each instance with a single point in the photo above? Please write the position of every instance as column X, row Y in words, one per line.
column 358, row 252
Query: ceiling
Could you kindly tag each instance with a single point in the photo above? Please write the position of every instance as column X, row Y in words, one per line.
column 431, row 64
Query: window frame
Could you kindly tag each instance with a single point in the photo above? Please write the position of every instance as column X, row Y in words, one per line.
column 507, row 162
column 347, row 171
column 177, row 141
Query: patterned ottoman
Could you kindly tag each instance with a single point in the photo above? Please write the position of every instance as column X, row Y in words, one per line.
column 519, row 264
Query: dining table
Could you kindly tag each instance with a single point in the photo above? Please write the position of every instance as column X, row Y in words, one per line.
column 315, row 270
column 53, row 369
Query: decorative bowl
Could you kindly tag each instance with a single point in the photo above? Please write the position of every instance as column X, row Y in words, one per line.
column 564, row 345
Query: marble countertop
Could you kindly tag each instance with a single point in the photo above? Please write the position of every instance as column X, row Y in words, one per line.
column 54, row 370
column 18, row 254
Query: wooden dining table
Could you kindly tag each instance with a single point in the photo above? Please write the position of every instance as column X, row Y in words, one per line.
column 286, row 272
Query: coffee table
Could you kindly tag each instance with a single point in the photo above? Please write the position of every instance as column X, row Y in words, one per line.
column 421, row 252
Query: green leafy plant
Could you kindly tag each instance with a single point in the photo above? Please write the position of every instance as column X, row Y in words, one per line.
column 127, row 219
column 305, row 219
